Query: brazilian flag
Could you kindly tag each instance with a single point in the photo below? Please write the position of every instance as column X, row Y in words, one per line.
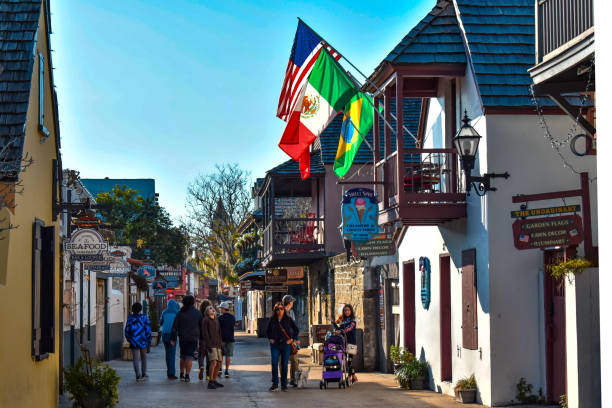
column 357, row 122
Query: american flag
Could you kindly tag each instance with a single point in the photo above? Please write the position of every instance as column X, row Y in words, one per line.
column 304, row 53
column 524, row 238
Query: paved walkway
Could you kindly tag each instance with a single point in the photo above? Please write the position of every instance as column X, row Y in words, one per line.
column 249, row 383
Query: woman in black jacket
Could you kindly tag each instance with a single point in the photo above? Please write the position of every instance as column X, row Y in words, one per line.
column 281, row 332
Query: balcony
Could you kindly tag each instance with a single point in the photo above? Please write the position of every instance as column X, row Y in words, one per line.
column 430, row 192
column 293, row 241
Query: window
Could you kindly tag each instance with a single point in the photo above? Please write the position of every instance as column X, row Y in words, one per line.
column 43, row 290
column 469, row 298
column 41, row 97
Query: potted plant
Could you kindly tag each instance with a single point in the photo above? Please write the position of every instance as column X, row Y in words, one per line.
column 399, row 355
column 91, row 384
column 465, row 390
column 413, row 374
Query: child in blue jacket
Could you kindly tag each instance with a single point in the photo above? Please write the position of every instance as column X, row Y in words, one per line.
column 138, row 334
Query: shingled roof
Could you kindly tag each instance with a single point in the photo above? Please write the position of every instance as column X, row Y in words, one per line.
column 18, row 26
column 292, row 167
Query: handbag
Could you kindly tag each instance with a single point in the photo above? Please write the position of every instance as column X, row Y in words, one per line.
column 294, row 349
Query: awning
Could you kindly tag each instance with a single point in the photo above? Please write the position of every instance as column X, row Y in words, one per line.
column 252, row 274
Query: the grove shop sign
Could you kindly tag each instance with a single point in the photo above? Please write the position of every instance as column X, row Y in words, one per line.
column 86, row 242
column 559, row 231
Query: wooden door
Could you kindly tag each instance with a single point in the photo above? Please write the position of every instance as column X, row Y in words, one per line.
column 554, row 309
column 446, row 352
column 409, row 307
column 100, row 318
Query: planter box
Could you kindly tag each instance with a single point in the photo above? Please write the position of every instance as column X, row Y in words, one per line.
column 419, row 383
column 466, row 396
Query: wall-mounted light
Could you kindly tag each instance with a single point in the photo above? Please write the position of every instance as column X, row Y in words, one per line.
column 466, row 142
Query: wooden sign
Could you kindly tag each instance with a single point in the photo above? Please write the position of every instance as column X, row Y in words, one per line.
column 548, row 232
column 276, row 276
column 538, row 212
column 277, row 288
column 295, row 272
column 245, row 284
column 381, row 245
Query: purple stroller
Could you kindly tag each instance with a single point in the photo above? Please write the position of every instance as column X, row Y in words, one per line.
column 334, row 362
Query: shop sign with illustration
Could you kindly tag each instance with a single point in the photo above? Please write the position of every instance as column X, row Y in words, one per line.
column 276, row 276
column 359, row 215
column 425, row 269
column 86, row 244
column 159, row 286
column 559, row 231
column 147, row 271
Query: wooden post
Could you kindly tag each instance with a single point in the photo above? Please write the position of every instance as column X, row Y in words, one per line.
column 399, row 138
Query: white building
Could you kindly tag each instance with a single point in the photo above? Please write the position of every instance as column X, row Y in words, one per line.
column 485, row 308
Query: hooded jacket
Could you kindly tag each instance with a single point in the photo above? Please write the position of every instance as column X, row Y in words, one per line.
column 168, row 315
column 186, row 325
column 138, row 331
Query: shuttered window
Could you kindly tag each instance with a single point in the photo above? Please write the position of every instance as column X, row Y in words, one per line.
column 43, row 290
column 469, row 299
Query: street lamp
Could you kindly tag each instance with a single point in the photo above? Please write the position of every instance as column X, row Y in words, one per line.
column 466, row 142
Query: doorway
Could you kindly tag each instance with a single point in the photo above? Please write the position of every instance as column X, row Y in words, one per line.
column 446, row 352
column 100, row 318
column 554, row 310
column 409, row 307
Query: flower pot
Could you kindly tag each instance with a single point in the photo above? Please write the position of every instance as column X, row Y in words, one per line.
column 396, row 366
column 421, row 383
column 466, row 396
column 92, row 400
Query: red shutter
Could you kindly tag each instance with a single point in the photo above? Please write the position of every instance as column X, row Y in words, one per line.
column 469, row 299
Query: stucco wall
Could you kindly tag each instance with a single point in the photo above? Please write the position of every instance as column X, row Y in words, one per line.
column 24, row 382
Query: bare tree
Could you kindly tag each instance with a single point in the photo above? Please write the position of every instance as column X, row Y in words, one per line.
column 11, row 184
column 216, row 204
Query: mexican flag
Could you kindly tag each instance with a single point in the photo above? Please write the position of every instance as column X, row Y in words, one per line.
column 324, row 95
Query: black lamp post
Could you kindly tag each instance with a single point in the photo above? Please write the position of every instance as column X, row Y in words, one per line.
column 466, row 142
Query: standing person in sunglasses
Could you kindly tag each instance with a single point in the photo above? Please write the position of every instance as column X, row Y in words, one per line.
column 281, row 332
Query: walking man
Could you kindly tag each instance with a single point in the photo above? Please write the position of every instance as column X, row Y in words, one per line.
column 211, row 339
column 187, row 327
column 227, row 321
column 288, row 302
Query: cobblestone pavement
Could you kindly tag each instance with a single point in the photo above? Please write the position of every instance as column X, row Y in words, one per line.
column 249, row 382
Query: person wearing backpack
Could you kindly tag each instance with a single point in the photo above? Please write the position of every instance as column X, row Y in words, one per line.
column 138, row 334
column 167, row 321
column 186, row 327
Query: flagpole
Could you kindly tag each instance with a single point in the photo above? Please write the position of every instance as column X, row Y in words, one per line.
column 380, row 115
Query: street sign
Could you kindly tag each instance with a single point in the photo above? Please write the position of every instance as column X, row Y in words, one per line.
column 276, row 276
column 147, row 271
column 359, row 215
column 535, row 212
column 381, row 245
column 86, row 241
column 548, row 232
column 277, row 288
column 86, row 257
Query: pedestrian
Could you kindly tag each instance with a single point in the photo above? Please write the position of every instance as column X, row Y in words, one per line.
column 211, row 338
column 288, row 302
column 167, row 321
column 227, row 321
column 138, row 334
column 202, row 349
column 347, row 324
column 187, row 327
column 281, row 333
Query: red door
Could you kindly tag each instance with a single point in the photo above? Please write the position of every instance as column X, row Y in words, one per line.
column 554, row 309
column 409, row 317
column 446, row 352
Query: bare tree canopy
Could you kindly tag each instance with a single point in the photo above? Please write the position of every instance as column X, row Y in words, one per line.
column 216, row 204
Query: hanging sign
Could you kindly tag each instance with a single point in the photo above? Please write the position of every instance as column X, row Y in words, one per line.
column 111, row 274
column 295, row 272
column 86, row 257
column 97, row 267
column 245, row 284
column 159, row 286
column 535, row 212
column 380, row 245
column 276, row 288
column 276, row 276
column 172, row 282
column 147, row 271
column 548, row 232
column 359, row 215
column 425, row 268
column 86, row 241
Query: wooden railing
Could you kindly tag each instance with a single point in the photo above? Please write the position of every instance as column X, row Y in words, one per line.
column 560, row 21
column 294, row 235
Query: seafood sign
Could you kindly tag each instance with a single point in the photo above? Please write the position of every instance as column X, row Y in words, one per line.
column 359, row 215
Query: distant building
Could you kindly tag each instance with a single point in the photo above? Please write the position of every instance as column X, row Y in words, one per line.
column 146, row 187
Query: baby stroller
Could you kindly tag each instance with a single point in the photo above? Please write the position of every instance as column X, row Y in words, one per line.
column 335, row 368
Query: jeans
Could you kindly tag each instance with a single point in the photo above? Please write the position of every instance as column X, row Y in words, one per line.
column 293, row 366
column 282, row 351
column 143, row 357
column 170, row 355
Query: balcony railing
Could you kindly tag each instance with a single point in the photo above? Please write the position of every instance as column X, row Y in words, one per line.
column 561, row 21
column 293, row 238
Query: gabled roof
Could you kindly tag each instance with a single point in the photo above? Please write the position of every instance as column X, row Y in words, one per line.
column 435, row 39
column 18, row 27
column 291, row 167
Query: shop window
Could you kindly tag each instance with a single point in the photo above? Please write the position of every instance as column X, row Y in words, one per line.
column 43, row 290
column 469, row 299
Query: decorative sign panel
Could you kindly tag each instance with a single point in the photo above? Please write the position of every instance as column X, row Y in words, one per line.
column 159, row 286
column 147, row 271
column 425, row 268
column 359, row 215
column 548, row 232
column 535, row 212
column 381, row 245
column 97, row 267
column 172, row 281
column 111, row 274
column 86, row 241
column 86, row 257
column 277, row 288
column 276, row 276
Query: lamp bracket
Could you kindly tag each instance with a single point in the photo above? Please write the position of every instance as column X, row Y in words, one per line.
column 482, row 184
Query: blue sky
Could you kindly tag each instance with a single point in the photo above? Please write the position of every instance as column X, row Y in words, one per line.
column 165, row 89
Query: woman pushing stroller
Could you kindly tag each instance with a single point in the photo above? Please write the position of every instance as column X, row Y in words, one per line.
column 346, row 324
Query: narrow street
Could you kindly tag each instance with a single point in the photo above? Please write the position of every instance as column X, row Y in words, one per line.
column 249, row 382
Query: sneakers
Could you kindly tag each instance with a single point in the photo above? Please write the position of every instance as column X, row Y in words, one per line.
column 201, row 375
column 211, row 386
column 182, row 377
column 274, row 387
column 218, row 384
column 284, row 389
column 293, row 383
column 138, row 378
column 172, row 377
column 187, row 378
column 144, row 377
column 226, row 374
